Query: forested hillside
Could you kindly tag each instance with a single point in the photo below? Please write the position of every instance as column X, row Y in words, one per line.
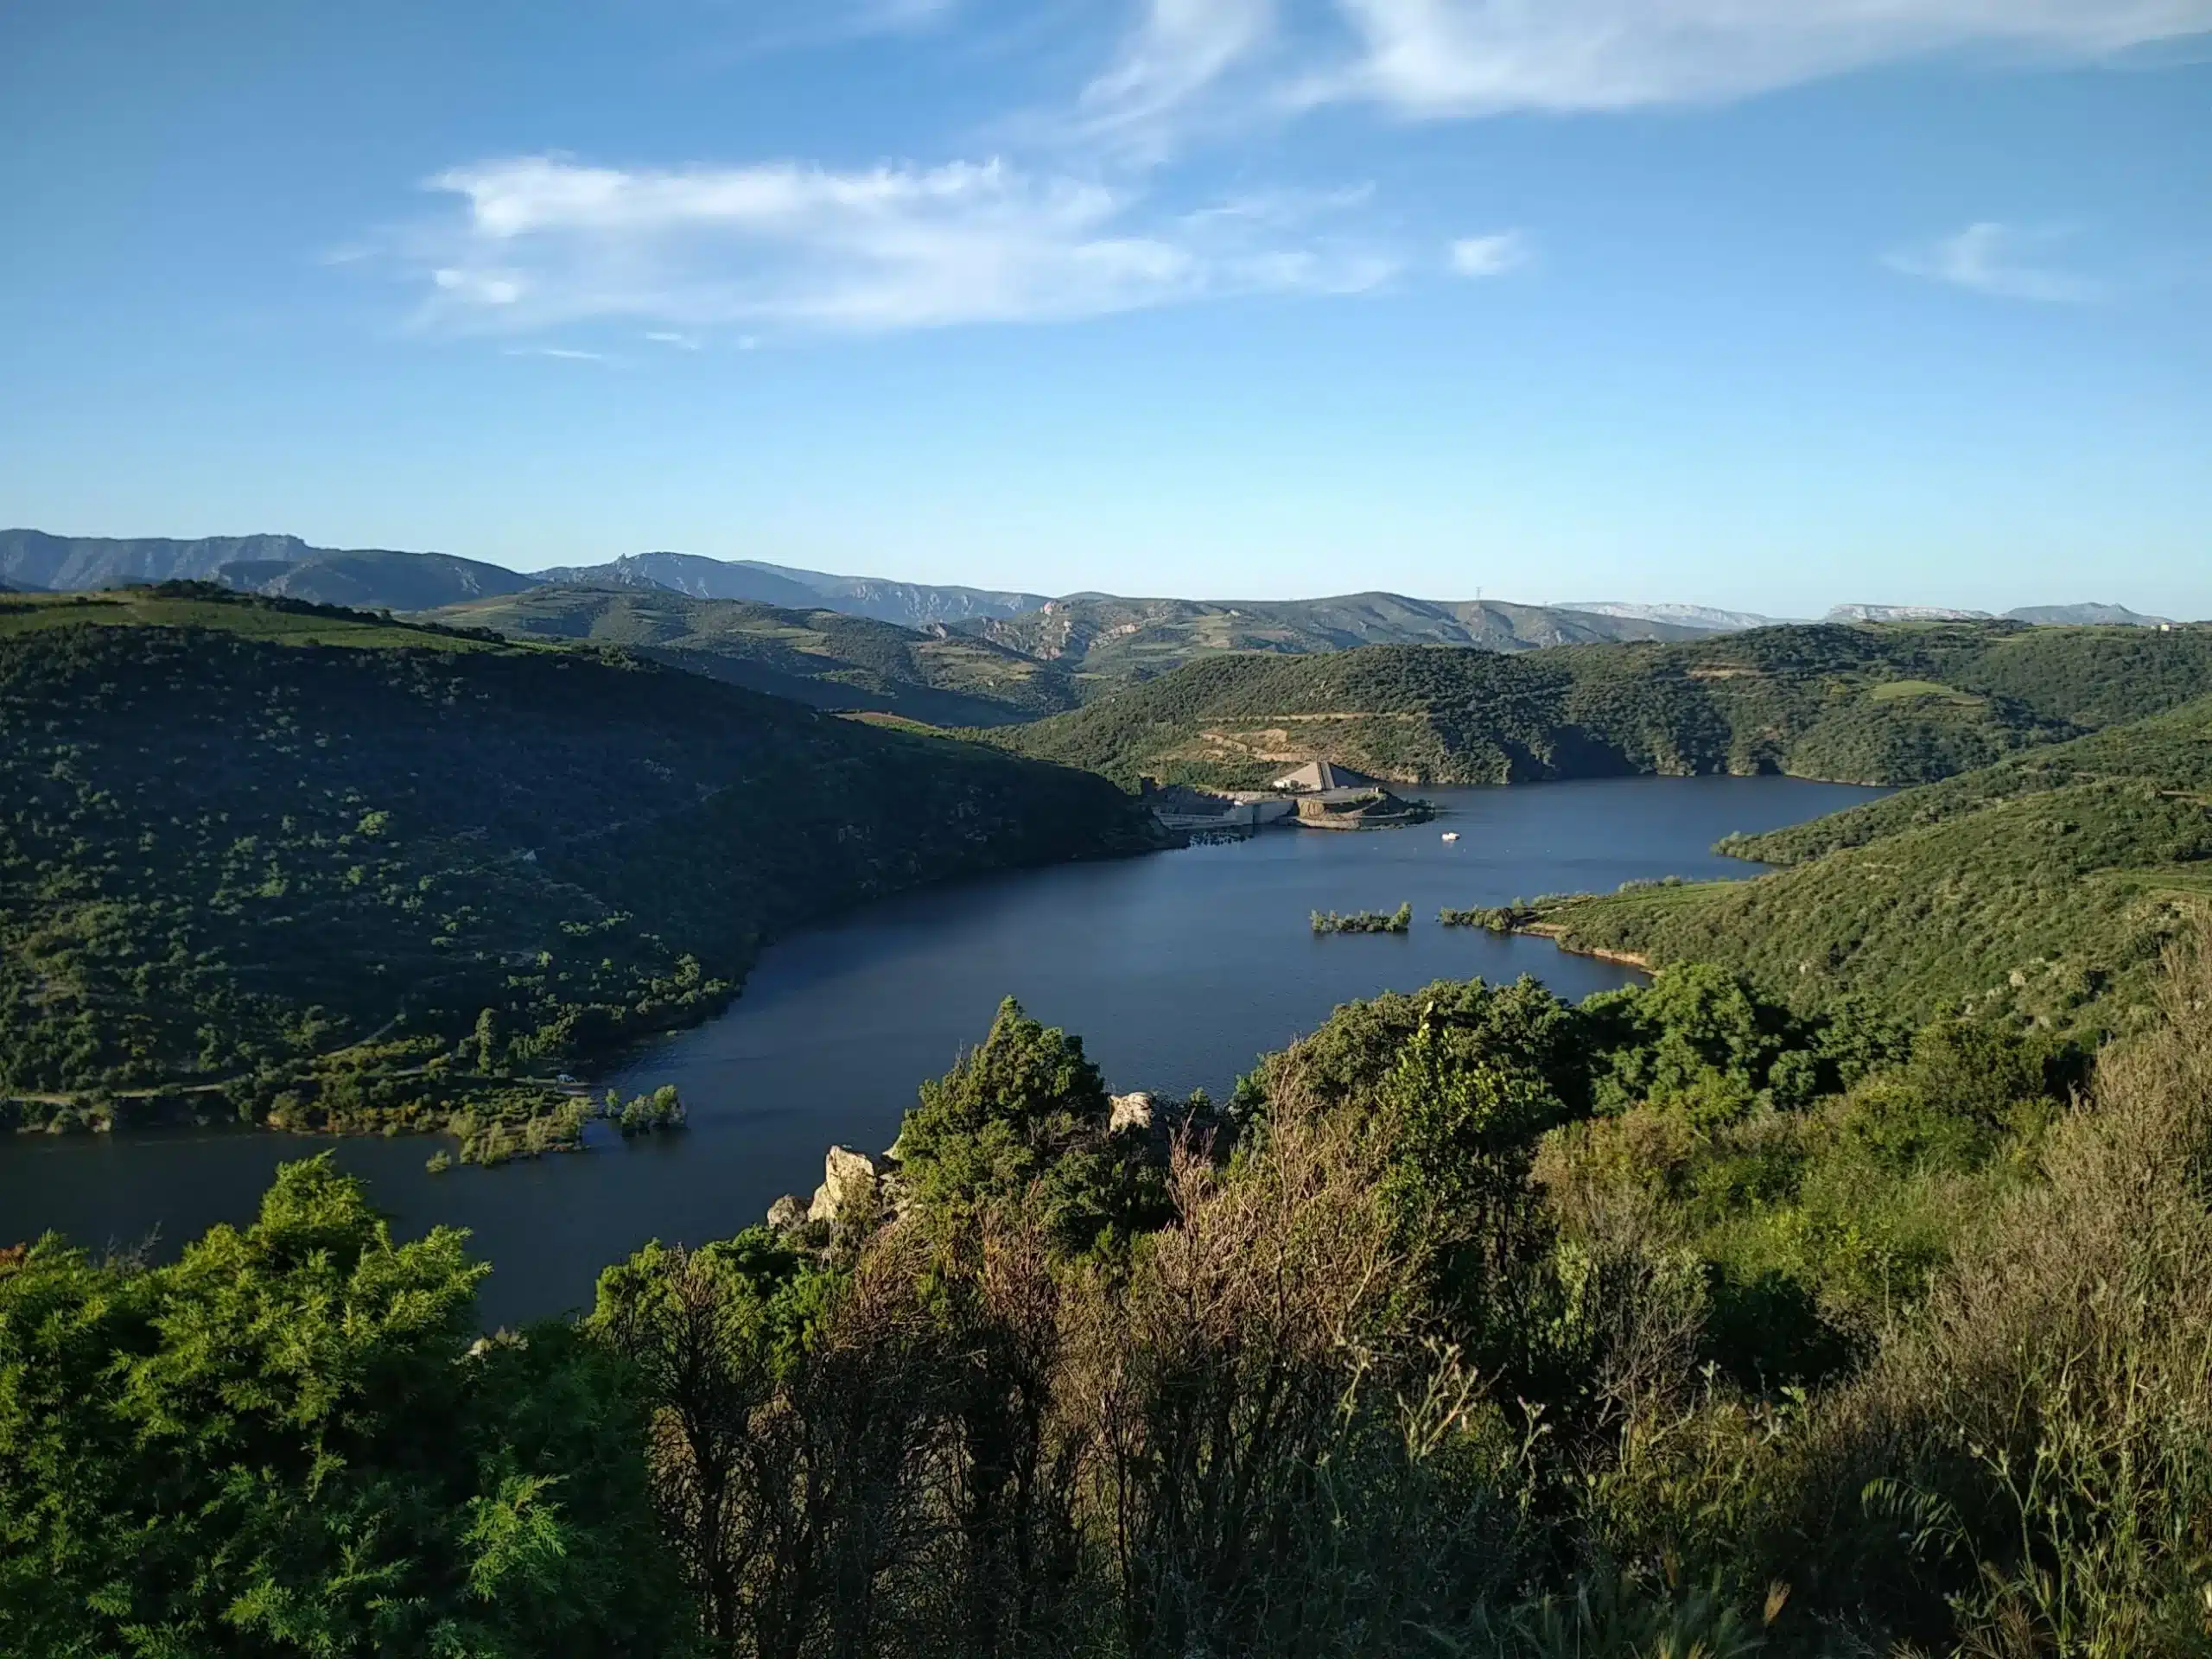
column 274, row 860
column 1892, row 704
column 2042, row 889
column 819, row 656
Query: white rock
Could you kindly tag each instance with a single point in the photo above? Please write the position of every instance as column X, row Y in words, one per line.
column 1131, row 1112
column 846, row 1177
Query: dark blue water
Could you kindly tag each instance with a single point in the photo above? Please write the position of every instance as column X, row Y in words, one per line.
column 1177, row 969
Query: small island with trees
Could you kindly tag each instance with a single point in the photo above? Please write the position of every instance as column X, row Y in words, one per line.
column 1364, row 921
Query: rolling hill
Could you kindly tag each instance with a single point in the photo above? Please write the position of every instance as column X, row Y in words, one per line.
column 814, row 656
column 1899, row 705
column 322, row 867
column 2041, row 889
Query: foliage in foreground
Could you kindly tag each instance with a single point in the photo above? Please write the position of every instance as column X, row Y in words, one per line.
column 1481, row 1325
column 287, row 1442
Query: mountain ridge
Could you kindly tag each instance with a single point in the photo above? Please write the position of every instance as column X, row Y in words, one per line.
column 1907, row 703
column 1098, row 639
column 826, row 658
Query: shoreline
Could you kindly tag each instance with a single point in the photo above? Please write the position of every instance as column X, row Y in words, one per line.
column 1556, row 932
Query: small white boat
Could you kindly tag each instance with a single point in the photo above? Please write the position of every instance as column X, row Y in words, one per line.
column 1450, row 835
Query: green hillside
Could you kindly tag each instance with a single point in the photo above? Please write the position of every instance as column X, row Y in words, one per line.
column 819, row 657
column 2042, row 889
column 317, row 867
column 1897, row 704
column 1108, row 638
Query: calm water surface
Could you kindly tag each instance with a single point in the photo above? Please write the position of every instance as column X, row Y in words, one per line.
column 1177, row 969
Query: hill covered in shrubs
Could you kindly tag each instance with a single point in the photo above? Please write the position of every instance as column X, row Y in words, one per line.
column 2041, row 890
column 265, row 860
column 822, row 658
column 1887, row 704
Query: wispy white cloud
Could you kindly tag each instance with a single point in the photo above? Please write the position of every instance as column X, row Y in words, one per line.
column 1998, row 259
column 897, row 16
column 1492, row 256
column 772, row 26
column 681, row 342
column 565, row 353
column 1179, row 51
column 479, row 287
column 1436, row 58
column 543, row 241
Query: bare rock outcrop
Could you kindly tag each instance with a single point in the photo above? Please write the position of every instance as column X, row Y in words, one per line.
column 849, row 1181
column 787, row 1214
column 1132, row 1112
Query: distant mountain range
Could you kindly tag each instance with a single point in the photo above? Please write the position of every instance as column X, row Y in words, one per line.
column 812, row 654
column 910, row 604
column 2052, row 615
column 1088, row 640
column 366, row 578
column 1703, row 617
column 2039, row 615
column 1102, row 634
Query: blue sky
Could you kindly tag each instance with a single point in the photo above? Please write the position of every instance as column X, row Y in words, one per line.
column 1764, row 303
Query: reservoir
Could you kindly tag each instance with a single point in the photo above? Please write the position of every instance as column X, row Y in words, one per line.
column 1177, row 969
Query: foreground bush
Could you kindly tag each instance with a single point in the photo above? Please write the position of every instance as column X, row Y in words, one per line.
column 1673, row 1325
column 288, row 1443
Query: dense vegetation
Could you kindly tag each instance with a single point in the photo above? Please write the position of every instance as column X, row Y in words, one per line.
column 1364, row 921
column 1897, row 704
column 307, row 867
column 1827, row 1298
column 1478, row 1324
column 815, row 656
column 2041, row 890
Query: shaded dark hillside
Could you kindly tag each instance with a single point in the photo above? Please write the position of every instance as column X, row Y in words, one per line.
column 817, row 657
column 1899, row 704
column 379, row 581
column 2040, row 890
column 302, row 853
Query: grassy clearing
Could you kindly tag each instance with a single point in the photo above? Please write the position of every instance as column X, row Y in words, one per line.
column 1906, row 691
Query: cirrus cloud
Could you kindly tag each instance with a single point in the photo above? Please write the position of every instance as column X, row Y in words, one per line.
column 1438, row 58
column 542, row 240
column 1491, row 256
column 1997, row 259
